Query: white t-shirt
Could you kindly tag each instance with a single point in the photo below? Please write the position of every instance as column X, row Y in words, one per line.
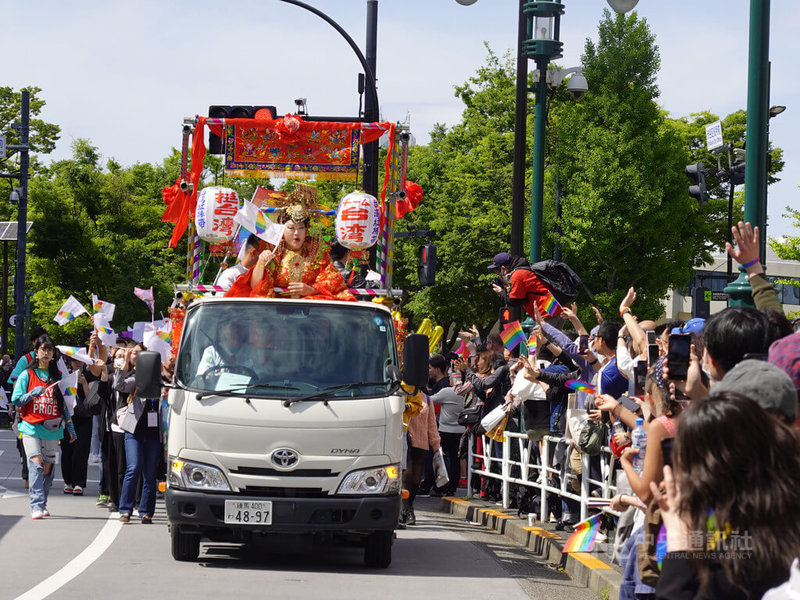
column 230, row 275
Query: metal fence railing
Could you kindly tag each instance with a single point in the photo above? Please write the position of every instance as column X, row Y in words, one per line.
column 541, row 467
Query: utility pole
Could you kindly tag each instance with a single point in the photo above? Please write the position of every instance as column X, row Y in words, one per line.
column 22, row 217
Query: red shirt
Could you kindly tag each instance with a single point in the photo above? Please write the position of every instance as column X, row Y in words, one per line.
column 526, row 286
column 44, row 406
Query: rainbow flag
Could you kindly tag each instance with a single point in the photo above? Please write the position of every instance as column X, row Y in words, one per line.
column 551, row 305
column 580, row 386
column 463, row 351
column 513, row 335
column 585, row 534
column 533, row 345
column 70, row 310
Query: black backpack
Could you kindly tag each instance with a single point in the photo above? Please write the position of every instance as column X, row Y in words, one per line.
column 560, row 279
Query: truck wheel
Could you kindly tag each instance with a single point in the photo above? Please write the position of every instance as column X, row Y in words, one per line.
column 378, row 549
column 185, row 546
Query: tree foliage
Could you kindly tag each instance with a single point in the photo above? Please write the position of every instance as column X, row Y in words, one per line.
column 42, row 136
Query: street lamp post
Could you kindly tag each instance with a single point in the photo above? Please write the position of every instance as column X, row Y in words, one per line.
column 544, row 25
column 755, row 173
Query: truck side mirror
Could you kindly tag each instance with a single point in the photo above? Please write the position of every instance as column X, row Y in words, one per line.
column 415, row 360
column 148, row 375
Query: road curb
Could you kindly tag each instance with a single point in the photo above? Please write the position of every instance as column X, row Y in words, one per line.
column 591, row 570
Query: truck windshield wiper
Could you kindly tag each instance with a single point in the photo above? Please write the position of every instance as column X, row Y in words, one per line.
column 242, row 387
column 324, row 392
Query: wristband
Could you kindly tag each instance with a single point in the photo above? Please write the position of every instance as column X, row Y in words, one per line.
column 752, row 262
column 626, row 309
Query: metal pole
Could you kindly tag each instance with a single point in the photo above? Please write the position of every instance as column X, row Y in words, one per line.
column 557, row 245
column 755, row 171
column 755, row 174
column 520, row 127
column 22, row 217
column 730, row 226
column 370, row 102
column 537, row 186
column 5, row 297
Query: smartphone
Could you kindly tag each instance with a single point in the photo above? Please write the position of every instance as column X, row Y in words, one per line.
column 652, row 354
column 666, row 450
column 651, row 337
column 583, row 344
column 678, row 356
column 640, row 377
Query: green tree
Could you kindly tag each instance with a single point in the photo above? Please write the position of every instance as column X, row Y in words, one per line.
column 465, row 173
column 627, row 216
column 43, row 135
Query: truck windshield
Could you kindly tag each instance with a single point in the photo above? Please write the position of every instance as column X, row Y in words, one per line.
column 286, row 349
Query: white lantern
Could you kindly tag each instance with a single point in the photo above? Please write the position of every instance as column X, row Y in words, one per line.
column 213, row 218
column 358, row 220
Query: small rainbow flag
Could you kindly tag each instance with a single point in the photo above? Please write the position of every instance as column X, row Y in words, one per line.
column 463, row 351
column 580, row 386
column 165, row 335
column 101, row 329
column 513, row 335
column 533, row 345
column 585, row 534
column 551, row 305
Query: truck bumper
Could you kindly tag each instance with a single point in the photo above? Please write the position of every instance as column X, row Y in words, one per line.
column 200, row 512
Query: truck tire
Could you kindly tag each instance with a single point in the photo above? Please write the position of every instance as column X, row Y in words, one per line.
column 185, row 546
column 378, row 549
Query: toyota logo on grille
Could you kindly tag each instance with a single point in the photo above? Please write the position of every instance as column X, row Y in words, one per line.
column 284, row 458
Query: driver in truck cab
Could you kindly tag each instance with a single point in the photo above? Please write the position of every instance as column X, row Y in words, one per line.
column 230, row 349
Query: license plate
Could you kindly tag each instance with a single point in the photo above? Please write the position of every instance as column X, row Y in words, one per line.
column 241, row 512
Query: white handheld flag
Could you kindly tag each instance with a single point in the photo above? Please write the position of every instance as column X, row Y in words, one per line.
column 77, row 353
column 101, row 307
column 251, row 218
column 146, row 296
column 69, row 389
column 104, row 331
column 71, row 309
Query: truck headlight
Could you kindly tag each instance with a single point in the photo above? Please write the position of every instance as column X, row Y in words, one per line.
column 377, row 480
column 197, row 476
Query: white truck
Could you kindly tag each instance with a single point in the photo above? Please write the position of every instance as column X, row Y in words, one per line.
column 285, row 417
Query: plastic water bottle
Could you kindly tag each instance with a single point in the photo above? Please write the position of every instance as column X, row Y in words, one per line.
column 639, row 440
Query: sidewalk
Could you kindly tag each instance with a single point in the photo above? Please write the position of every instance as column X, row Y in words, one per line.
column 593, row 570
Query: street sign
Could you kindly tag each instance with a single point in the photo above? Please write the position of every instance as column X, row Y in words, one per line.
column 714, row 136
column 719, row 296
column 709, row 295
column 2, row 146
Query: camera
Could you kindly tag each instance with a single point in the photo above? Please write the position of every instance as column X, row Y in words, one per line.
column 577, row 86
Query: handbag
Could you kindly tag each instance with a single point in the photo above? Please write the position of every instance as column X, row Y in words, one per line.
column 439, row 469
column 470, row 415
column 93, row 403
column 493, row 418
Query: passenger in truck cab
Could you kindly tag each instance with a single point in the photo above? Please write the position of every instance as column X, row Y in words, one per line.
column 229, row 350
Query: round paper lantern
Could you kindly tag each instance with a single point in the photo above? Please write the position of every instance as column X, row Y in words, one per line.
column 358, row 220
column 216, row 207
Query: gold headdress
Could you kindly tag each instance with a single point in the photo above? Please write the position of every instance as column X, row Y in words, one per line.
column 300, row 204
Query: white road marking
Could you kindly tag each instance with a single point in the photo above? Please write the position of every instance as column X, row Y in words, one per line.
column 78, row 564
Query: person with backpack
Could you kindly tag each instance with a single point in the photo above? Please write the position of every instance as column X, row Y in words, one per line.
column 43, row 419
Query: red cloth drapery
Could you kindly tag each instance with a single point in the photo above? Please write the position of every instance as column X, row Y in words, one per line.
column 181, row 204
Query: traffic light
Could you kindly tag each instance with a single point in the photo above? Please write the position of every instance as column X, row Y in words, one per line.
column 427, row 265
column 508, row 314
column 220, row 111
column 701, row 302
column 697, row 174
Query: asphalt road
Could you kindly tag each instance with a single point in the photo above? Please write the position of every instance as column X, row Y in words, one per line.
column 82, row 551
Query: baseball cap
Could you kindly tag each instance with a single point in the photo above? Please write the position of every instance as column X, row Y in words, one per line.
column 763, row 382
column 500, row 260
column 695, row 325
column 785, row 354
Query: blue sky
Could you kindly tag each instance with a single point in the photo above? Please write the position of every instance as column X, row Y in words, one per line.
column 125, row 74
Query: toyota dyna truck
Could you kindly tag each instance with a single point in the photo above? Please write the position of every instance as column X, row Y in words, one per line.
column 285, row 419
